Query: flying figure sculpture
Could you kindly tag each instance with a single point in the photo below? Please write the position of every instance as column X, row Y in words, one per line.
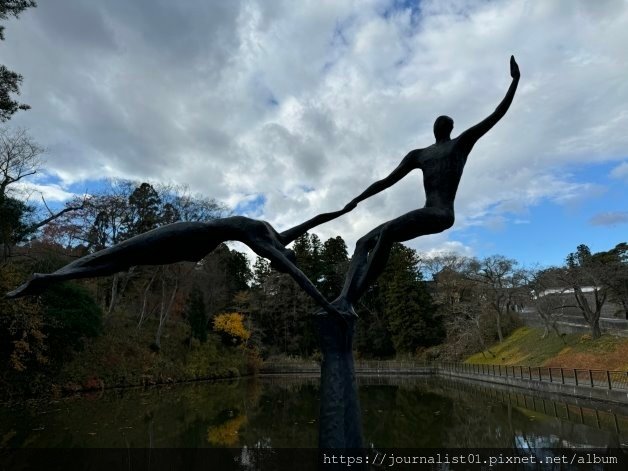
column 190, row 241
column 442, row 164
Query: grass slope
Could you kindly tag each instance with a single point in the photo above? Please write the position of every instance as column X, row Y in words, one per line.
column 525, row 346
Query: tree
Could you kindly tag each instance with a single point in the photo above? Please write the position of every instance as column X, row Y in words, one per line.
column 238, row 272
column 461, row 300
column 397, row 312
column 22, row 337
column 504, row 287
column 10, row 81
column 307, row 251
column 20, row 157
column 585, row 270
column 261, row 271
column 334, row 265
column 409, row 308
column 615, row 275
column 70, row 315
column 548, row 299
column 143, row 211
column 231, row 327
column 13, row 223
column 280, row 308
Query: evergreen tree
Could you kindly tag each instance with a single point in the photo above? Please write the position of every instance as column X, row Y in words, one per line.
column 13, row 221
column 261, row 271
column 373, row 337
column 196, row 314
column 144, row 212
column 411, row 313
column 238, row 272
column 70, row 316
column 334, row 264
column 10, row 81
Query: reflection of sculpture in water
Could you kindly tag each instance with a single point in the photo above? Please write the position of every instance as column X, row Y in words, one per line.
column 442, row 164
column 189, row 241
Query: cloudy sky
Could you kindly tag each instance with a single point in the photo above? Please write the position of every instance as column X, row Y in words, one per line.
column 285, row 109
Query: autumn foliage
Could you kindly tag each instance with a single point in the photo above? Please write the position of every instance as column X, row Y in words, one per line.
column 231, row 327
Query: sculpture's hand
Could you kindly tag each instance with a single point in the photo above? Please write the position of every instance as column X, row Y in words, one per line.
column 514, row 68
column 350, row 206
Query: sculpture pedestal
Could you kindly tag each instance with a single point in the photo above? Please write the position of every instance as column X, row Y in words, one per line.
column 340, row 424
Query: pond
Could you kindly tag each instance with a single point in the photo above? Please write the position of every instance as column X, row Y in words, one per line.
column 282, row 412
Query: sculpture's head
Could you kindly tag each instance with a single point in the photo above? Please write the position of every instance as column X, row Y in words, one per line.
column 442, row 128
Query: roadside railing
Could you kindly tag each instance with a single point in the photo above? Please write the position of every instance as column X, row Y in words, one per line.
column 570, row 376
column 573, row 376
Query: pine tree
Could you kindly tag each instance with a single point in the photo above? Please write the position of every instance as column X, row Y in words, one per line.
column 409, row 309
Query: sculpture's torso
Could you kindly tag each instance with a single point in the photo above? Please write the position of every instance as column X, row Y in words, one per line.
column 442, row 164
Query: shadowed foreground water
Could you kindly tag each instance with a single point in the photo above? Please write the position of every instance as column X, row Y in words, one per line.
column 281, row 412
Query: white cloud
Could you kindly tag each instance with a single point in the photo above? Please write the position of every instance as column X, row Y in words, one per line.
column 259, row 97
column 609, row 218
column 52, row 193
column 620, row 172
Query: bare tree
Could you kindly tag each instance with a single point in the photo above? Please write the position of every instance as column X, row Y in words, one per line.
column 548, row 300
column 503, row 284
column 583, row 270
column 20, row 157
column 461, row 301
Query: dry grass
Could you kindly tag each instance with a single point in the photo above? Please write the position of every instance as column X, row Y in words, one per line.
column 526, row 347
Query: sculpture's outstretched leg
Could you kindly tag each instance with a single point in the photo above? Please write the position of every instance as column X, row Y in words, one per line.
column 282, row 263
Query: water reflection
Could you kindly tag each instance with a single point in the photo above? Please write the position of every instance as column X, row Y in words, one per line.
column 283, row 412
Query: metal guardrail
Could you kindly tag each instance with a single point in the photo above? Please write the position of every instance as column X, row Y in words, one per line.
column 604, row 379
column 573, row 376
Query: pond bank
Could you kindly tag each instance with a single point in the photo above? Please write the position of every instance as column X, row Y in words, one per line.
column 602, row 385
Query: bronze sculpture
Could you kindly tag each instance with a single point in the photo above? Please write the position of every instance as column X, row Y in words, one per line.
column 442, row 164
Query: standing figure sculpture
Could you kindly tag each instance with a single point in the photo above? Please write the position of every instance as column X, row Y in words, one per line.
column 442, row 164
column 190, row 242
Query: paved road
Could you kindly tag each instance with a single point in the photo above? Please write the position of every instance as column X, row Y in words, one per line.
column 610, row 324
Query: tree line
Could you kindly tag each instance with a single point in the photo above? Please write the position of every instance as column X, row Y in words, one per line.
column 445, row 306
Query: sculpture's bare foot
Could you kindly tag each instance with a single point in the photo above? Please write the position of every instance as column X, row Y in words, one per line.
column 341, row 307
column 33, row 286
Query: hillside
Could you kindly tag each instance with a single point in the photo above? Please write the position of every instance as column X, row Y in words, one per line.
column 526, row 347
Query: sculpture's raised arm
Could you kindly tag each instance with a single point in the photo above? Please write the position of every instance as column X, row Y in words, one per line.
column 409, row 163
column 468, row 138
